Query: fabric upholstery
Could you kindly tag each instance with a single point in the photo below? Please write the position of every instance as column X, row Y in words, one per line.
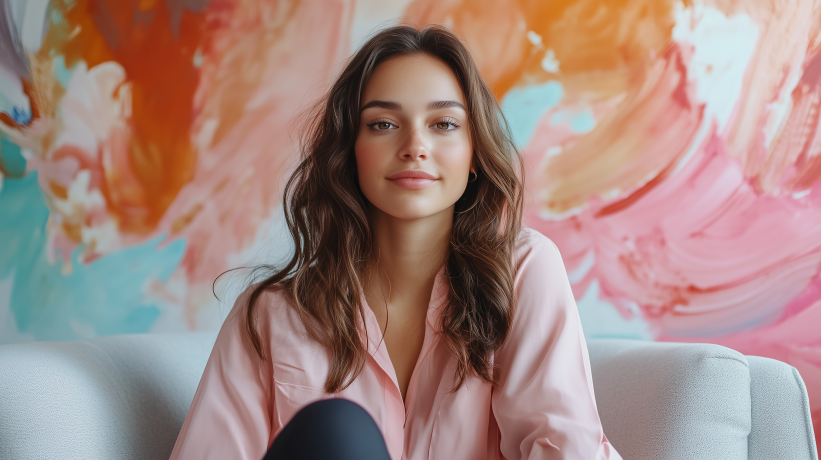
column 699, row 401
column 780, row 411
column 672, row 401
column 125, row 397
column 122, row 397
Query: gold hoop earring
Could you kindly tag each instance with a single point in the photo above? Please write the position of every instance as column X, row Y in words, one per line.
column 475, row 176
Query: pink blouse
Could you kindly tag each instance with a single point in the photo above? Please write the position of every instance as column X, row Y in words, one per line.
column 542, row 408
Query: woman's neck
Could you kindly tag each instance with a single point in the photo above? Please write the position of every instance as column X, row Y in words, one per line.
column 408, row 253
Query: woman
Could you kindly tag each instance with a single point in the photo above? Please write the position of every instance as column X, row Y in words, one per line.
column 413, row 291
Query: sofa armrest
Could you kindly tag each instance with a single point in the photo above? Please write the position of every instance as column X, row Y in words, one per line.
column 672, row 401
column 782, row 425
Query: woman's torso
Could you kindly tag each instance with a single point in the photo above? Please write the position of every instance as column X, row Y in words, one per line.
column 413, row 428
column 542, row 407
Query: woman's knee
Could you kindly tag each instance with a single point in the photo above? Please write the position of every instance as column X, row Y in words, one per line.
column 330, row 429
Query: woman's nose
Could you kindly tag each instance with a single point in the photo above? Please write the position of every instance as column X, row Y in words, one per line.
column 416, row 147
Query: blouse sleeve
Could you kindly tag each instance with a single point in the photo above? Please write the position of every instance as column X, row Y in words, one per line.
column 231, row 414
column 544, row 404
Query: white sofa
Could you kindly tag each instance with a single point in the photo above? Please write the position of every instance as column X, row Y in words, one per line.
column 125, row 397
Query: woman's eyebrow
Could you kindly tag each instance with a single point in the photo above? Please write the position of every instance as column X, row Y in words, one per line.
column 391, row 105
column 435, row 105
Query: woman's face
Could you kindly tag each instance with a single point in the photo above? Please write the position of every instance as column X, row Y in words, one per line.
column 413, row 150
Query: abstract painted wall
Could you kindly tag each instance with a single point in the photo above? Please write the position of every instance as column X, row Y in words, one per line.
column 673, row 153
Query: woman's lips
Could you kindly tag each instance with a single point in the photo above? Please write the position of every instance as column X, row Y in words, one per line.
column 412, row 179
column 412, row 184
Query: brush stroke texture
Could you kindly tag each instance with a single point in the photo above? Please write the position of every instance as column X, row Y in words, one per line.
column 163, row 106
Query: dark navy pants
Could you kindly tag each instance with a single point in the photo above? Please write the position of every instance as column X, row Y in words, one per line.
column 331, row 429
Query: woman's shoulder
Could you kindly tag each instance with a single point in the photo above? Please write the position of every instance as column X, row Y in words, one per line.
column 268, row 299
column 272, row 309
column 537, row 259
column 530, row 243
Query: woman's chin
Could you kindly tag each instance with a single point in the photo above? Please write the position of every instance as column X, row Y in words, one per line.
column 407, row 211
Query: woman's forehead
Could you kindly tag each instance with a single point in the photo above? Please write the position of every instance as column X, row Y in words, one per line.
column 414, row 81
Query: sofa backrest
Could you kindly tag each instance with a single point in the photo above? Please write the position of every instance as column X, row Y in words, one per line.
column 121, row 397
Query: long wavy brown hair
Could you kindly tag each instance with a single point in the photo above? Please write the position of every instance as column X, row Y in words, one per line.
column 326, row 214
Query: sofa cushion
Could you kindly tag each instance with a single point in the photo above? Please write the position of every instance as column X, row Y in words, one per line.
column 672, row 401
column 112, row 397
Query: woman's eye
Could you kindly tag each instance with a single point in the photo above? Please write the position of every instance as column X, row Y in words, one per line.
column 446, row 125
column 381, row 125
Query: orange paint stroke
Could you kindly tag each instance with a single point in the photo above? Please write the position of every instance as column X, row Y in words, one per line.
column 259, row 61
column 647, row 133
column 597, row 44
column 162, row 78
column 495, row 32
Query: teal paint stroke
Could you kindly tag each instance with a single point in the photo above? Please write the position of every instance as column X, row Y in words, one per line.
column 12, row 163
column 601, row 320
column 103, row 297
column 523, row 107
column 583, row 122
column 61, row 72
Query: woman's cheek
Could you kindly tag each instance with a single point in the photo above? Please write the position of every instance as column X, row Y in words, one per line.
column 368, row 165
column 455, row 160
